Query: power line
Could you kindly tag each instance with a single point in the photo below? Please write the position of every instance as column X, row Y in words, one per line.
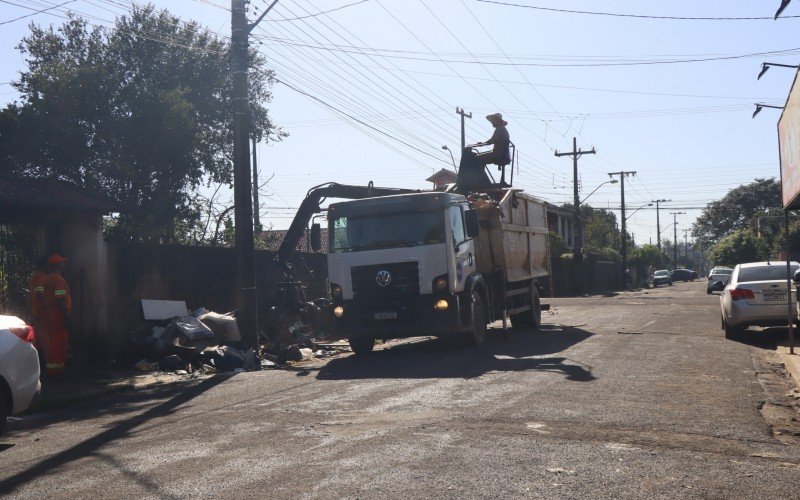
column 318, row 13
column 32, row 13
column 637, row 16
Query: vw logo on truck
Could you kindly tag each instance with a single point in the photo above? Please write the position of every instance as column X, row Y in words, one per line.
column 383, row 277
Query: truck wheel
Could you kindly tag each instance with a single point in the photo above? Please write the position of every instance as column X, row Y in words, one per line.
column 477, row 331
column 533, row 317
column 362, row 346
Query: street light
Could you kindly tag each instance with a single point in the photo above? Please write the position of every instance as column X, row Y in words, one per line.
column 765, row 66
column 612, row 181
column 645, row 205
column 761, row 105
column 451, row 156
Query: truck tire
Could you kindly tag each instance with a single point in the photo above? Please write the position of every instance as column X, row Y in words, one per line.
column 533, row 317
column 362, row 346
column 477, row 329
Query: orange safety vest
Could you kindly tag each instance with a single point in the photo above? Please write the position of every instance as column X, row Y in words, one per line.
column 55, row 289
column 37, row 296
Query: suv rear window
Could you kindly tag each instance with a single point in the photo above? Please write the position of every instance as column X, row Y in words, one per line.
column 764, row 273
column 724, row 272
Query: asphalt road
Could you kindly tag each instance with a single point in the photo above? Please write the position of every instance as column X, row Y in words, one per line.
column 636, row 395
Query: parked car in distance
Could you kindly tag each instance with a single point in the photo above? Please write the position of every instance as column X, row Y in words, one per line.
column 721, row 274
column 662, row 277
column 756, row 296
column 19, row 367
column 684, row 275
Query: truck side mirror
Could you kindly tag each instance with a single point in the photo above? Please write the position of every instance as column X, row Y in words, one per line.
column 471, row 219
column 316, row 237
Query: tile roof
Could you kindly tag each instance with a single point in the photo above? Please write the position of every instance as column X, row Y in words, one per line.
column 43, row 195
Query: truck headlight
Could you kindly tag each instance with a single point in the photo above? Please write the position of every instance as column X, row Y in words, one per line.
column 336, row 291
column 441, row 305
column 440, row 283
column 338, row 311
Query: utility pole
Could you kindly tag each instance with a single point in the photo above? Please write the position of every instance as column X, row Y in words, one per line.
column 686, row 245
column 577, row 257
column 675, row 237
column 463, row 115
column 246, row 297
column 256, row 207
column 658, row 220
column 624, row 236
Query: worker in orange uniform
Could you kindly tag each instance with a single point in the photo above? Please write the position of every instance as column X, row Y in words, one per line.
column 37, row 297
column 58, row 313
column 36, row 292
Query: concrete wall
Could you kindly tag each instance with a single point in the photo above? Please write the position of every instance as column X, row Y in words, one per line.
column 81, row 241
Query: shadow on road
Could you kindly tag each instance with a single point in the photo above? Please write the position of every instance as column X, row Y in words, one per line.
column 92, row 446
column 769, row 338
column 438, row 358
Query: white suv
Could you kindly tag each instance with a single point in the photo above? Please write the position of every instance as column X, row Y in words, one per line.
column 19, row 367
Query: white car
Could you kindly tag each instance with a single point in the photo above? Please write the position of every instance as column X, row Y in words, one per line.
column 756, row 296
column 19, row 367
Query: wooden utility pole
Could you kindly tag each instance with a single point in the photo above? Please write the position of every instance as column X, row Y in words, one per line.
column 577, row 244
column 463, row 115
column 622, row 175
column 675, row 237
column 246, row 297
column 658, row 220
column 256, row 206
column 686, row 245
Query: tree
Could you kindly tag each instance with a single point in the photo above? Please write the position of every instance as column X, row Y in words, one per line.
column 740, row 246
column 139, row 112
column 647, row 256
column 736, row 210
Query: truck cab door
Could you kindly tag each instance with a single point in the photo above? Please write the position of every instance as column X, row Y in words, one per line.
column 463, row 248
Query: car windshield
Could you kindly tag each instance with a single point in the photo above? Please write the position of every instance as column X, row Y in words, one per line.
column 661, row 273
column 372, row 232
column 773, row 272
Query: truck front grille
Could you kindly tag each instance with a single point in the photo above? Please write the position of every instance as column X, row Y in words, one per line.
column 404, row 284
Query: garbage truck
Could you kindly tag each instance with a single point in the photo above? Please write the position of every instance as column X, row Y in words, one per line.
column 438, row 263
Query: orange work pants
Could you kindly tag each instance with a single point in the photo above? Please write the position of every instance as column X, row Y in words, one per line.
column 55, row 348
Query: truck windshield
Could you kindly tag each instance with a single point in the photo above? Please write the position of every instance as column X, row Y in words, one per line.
column 375, row 232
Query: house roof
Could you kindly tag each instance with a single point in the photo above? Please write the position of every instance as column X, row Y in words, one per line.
column 43, row 195
column 443, row 176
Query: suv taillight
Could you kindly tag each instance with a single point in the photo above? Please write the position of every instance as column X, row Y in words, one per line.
column 23, row 332
column 742, row 293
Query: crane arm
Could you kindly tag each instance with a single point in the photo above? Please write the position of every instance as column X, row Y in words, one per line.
column 310, row 206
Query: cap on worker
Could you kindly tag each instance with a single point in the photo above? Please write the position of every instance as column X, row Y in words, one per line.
column 498, row 117
column 56, row 259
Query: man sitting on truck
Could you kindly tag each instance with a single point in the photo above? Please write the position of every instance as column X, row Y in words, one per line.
column 471, row 174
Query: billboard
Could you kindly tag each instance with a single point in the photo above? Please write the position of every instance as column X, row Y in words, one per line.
column 789, row 145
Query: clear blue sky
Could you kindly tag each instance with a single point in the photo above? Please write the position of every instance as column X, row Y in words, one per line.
column 404, row 66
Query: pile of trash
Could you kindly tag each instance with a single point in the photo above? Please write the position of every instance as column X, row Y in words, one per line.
column 204, row 342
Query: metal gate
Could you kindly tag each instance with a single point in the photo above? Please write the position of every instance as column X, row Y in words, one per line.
column 18, row 253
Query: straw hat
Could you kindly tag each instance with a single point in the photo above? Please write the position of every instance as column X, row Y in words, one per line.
column 498, row 117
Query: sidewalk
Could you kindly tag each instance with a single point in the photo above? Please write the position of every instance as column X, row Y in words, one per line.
column 84, row 385
column 791, row 361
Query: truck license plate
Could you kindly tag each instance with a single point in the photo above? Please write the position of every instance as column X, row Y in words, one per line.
column 775, row 297
column 386, row 315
